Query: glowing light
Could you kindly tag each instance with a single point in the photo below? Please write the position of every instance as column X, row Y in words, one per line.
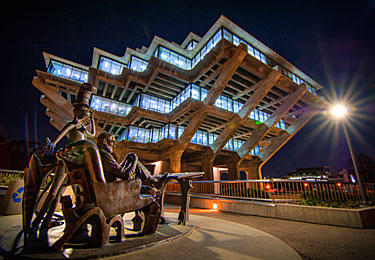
column 305, row 184
column 338, row 110
column 339, row 184
column 214, row 206
column 268, row 186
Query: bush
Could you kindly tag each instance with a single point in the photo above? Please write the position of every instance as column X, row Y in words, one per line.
column 309, row 200
column 6, row 178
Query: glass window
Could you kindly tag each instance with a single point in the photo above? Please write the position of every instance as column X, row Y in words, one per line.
column 203, row 51
column 76, row 74
column 250, row 50
column 155, row 135
column 64, row 70
column 204, row 94
column 180, row 131
column 194, row 139
column 236, row 40
column 154, row 103
column 164, row 54
column 227, row 35
column 172, row 131
column 122, row 109
column 195, row 92
column 105, row 106
column 204, row 137
column 111, row 66
column 113, row 108
column 138, row 64
column 173, row 58
column 165, row 131
column 261, row 118
column 132, row 136
column 256, row 54
column 217, row 37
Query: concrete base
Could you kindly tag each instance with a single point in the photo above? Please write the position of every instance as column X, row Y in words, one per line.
column 356, row 218
column 10, row 228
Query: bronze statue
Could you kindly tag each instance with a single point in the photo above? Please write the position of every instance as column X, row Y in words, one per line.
column 129, row 168
column 101, row 199
column 82, row 124
column 78, row 129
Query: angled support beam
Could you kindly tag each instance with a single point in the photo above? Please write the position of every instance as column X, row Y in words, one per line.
column 262, row 130
column 151, row 79
column 216, row 128
column 51, row 92
column 124, row 88
column 211, row 77
column 279, row 141
column 50, row 105
column 131, row 94
column 200, row 114
column 105, row 89
column 280, row 101
column 262, row 88
column 114, row 91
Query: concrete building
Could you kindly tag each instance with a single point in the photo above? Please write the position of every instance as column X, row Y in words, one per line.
column 221, row 101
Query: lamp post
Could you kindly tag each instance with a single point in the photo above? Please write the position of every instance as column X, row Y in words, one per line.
column 339, row 111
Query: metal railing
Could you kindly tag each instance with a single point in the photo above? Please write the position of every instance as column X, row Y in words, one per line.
column 281, row 191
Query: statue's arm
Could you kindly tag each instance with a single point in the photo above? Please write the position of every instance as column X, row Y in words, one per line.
column 111, row 167
column 69, row 126
column 92, row 131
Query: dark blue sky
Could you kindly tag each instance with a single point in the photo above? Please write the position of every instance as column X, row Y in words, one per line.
column 331, row 41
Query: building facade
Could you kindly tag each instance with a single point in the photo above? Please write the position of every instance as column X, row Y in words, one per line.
column 221, row 101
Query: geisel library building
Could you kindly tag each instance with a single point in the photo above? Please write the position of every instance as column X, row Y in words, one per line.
column 223, row 103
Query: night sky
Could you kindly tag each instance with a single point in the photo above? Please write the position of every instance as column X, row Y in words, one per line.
column 331, row 41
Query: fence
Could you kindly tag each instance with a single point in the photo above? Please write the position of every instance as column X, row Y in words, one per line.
column 281, row 191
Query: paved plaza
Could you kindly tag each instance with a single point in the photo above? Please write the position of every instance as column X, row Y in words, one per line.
column 221, row 235
column 311, row 241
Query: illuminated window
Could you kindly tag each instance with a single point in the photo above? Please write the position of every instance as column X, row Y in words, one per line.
column 137, row 64
column 110, row 66
column 67, row 71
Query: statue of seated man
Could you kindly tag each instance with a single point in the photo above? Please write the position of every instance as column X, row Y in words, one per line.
column 128, row 169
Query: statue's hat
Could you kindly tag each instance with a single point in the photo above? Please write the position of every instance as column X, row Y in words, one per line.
column 84, row 94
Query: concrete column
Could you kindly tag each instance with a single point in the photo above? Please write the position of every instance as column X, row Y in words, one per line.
column 207, row 163
column 233, row 170
column 175, row 161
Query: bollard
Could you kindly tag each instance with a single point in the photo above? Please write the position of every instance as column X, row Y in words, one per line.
column 12, row 202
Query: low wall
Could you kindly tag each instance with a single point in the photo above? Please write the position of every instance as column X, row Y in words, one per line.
column 356, row 218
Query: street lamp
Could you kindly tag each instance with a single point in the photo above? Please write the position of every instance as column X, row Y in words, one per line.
column 339, row 111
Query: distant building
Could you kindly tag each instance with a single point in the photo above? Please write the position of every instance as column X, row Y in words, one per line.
column 366, row 167
column 341, row 176
column 319, row 173
column 224, row 100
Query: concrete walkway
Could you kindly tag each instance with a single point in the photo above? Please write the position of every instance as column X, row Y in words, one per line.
column 211, row 239
column 218, row 239
column 311, row 241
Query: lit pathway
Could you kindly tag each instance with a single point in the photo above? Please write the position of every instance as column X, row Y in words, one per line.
column 311, row 241
column 218, row 239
